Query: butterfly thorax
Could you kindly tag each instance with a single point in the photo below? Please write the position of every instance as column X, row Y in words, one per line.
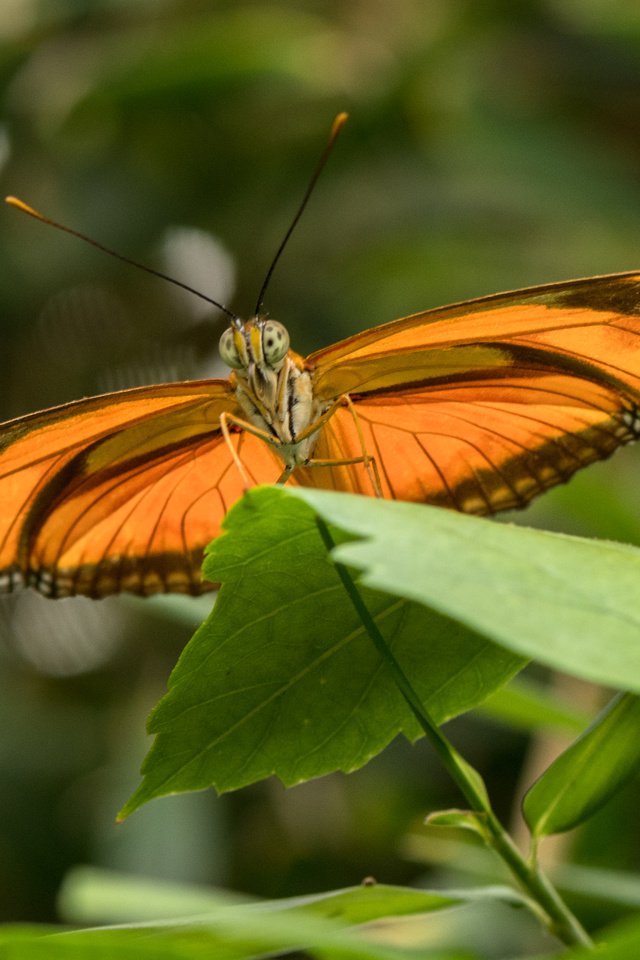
column 272, row 386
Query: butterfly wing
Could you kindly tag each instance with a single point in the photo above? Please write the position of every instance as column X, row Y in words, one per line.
column 121, row 492
column 482, row 405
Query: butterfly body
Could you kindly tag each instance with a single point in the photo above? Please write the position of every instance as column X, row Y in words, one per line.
column 273, row 387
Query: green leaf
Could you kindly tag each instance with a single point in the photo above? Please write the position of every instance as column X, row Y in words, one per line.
column 527, row 705
column 327, row 924
column 283, row 679
column 565, row 601
column 91, row 894
column 461, row 820
column 589, row 772
column 598, row 885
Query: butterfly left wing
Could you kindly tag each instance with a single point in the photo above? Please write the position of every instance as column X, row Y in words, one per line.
column 482, row 405
column 121, row 492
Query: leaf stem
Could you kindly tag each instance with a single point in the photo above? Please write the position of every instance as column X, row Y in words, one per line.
column 548, row 904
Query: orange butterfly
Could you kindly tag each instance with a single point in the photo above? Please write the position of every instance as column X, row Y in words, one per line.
column 478, row 407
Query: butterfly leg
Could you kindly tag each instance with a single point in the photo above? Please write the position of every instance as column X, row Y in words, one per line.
column 284, row 476
column 369, row 462
column 366, row 459
column 227, row 420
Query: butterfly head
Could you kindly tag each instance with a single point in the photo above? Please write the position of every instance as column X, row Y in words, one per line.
column 260, row 344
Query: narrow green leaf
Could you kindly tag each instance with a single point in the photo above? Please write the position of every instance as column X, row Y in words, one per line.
column 599, row 885
column 589, row 772
column 283, row 678
column 460, row 820
column 565, row 601
column 95, row 895
column 527, row 705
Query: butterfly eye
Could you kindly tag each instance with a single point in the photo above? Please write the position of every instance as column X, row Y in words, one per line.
column 275, row 342
column 228, row 350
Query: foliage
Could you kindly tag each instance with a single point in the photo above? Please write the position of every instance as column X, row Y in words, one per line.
column 284, row 678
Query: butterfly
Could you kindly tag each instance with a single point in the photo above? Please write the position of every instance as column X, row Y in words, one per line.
column 478, row 407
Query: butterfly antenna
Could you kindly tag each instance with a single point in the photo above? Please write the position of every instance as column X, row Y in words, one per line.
column 15, row 202
column 337, row 126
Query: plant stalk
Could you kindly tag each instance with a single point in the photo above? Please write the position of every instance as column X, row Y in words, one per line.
column 551, row 908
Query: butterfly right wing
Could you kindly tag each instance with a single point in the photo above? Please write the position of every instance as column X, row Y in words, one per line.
column 482, row 405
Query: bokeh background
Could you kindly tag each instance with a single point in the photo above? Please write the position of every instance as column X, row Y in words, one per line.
column 491, row 146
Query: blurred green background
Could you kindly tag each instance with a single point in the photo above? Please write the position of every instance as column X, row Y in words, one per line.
column 491, row 146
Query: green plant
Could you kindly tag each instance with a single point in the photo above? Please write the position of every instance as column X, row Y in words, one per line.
column 342, row 622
